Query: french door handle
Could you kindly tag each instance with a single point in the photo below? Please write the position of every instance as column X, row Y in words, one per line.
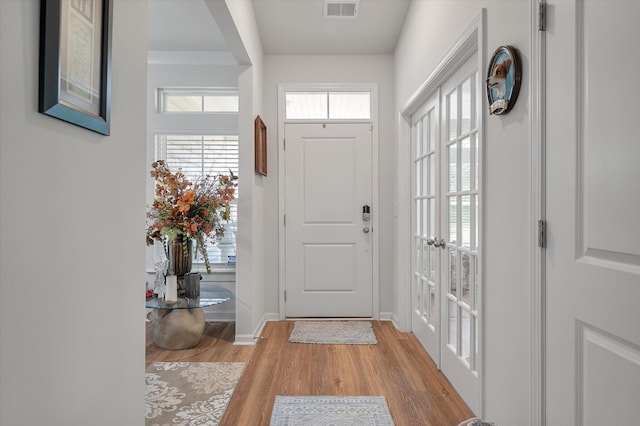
column 431, row 241
column 442, row 243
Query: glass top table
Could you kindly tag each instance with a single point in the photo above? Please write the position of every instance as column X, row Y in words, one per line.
column 210, row 295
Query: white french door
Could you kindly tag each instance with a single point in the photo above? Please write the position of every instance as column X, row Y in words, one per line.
column 425, row 296
column 460, row 207
column 446, row 287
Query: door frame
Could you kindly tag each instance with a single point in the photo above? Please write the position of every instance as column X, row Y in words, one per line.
column 375, row 207
column 472, row 40
column 537, row 190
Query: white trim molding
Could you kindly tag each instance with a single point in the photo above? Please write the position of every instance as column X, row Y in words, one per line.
column 538, row 213
column 250, row 339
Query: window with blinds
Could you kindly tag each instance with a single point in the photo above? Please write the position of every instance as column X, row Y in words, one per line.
column 198, row 156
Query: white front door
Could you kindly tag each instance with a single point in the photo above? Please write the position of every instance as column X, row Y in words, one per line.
column 328, row 240
column 593, row 213
column 446, row 229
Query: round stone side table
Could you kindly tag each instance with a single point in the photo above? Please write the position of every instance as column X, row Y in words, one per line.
column 181, row 325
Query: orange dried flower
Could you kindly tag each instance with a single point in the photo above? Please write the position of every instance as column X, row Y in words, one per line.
column 193, row 210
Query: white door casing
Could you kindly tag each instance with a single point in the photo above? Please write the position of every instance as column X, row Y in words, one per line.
column 328, row 244
column 592, row 259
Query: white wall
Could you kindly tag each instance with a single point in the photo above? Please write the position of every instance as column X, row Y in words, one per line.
column 431, row 28
column 250, row 241
column 187, row 75
column 332, row 69
column 72, row 217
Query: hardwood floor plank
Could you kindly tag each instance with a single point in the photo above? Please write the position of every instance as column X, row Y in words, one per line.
column 397, row 368
column 215, row 345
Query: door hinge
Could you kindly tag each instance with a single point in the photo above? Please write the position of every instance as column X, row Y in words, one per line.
column 542, row 233
column 542, row 16
column 285, row 220
column 371, row 127
column 284, row 144
column 285, row 295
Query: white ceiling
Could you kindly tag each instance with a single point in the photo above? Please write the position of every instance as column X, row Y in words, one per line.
column 287, row 27
column 291, row 27
column 183, row 25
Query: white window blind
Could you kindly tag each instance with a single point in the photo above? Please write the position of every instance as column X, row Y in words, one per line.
column 198, row 156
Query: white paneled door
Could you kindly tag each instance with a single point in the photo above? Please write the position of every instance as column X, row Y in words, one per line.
column 446, row 280
column 593, row 213
column 328, row 187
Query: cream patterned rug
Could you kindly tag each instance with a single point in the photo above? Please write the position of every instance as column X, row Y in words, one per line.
column 189, row 393
column 333, row 332
column 331, row 410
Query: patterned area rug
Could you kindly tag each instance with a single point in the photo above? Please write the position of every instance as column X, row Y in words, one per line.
column 333, row 333
column 330, row 410
column 189, row 393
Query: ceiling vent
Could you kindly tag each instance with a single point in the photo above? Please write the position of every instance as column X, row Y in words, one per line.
column 340, row 9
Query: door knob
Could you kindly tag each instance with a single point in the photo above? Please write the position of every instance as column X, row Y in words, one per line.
column 442, row 243
column 365, row 229
column 431, row 241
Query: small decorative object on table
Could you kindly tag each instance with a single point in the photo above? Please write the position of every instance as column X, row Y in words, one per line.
column 184, row 211
column 160, row 264
column 192, row 285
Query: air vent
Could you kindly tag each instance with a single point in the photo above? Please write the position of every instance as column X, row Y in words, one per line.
column 341, row 9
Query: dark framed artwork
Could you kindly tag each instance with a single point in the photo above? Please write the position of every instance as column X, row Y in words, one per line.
column 503, row 80
column 75, row 62
column 261, row 146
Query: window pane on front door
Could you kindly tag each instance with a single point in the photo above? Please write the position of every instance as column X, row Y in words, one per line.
column 350, row 105
column 306, row 105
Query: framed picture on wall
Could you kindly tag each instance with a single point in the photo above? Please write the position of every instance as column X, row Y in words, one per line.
column 75, row 62
column 260, row 146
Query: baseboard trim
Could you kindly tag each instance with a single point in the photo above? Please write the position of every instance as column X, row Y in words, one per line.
column 396, row 322
column 244, row 340
column 386, row 316
column 248, row 340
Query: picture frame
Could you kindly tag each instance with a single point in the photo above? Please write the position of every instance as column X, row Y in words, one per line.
column 504, row 77
column 75, row 62
column 260, row 147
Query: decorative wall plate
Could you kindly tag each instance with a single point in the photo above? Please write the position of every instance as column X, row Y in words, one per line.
column 503, row 80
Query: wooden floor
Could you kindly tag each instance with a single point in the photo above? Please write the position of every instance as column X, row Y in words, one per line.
column 397, row 368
